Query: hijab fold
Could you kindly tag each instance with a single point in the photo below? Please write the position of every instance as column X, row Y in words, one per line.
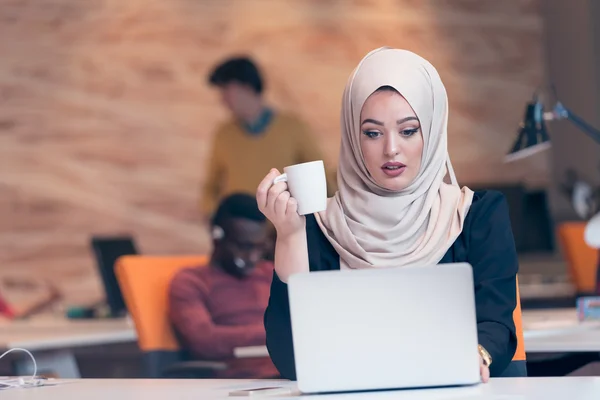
column 369, row 225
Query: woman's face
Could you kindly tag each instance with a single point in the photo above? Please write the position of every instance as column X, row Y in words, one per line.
column 391, row 139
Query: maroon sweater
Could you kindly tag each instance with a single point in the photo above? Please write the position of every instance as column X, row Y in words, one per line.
column 213, row 312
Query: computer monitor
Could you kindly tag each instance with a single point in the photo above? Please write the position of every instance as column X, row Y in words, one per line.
column 107, row 250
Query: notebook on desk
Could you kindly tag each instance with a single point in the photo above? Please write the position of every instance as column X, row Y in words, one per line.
column 384, row 328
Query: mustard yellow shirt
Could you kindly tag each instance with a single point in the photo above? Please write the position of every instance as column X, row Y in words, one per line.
column 240, row 160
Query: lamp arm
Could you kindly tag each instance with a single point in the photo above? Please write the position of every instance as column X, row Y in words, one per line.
column 561, row 112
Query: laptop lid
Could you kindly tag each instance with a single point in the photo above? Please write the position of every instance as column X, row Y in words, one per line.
column 384, row 328
column 107, row 250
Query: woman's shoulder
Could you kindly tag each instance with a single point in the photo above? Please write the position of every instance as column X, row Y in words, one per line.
column 486, row 205
column 488, row 218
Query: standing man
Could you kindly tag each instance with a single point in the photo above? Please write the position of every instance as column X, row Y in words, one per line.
column 255, row 139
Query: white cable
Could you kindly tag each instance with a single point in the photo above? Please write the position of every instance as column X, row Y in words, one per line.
column 20, row 382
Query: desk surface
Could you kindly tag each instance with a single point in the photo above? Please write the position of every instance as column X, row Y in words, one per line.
column 47, row 333
column 556, row 331
column 576, row 388
column 545, row 331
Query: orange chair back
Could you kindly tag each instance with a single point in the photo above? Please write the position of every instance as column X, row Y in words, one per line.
column 582, row 260
column 518, row 365
column 518, row 319
column 144, row 282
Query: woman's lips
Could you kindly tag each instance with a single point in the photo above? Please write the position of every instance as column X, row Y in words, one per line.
column 393, row 169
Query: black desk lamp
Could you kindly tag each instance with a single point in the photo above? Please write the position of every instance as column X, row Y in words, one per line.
column 533, row 137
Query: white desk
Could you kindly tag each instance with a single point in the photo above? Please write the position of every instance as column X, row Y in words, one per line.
column 585, row 388
column 52, row 339
column 48, row 333
column 545, row 331
column 559, row 331
column 549, row 318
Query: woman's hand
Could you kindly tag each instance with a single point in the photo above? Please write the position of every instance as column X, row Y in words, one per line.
column 484, row 371
column 276, row 203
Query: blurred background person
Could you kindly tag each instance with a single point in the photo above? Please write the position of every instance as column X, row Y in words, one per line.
column 217, row 307
column 256, row 137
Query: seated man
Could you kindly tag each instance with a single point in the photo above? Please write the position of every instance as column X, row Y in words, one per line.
column 219, row 307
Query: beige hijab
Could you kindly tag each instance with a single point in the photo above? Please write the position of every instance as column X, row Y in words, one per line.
column 370, row 226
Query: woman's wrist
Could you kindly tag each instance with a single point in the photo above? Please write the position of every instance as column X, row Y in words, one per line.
column 485, row 356
column 291, row 254
column 291, row 236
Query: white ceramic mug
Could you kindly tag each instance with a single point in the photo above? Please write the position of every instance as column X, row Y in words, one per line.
column 307, row 184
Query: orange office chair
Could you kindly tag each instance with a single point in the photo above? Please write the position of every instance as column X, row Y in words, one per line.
column 582, row 260
column 144, row 282
column 518, row 365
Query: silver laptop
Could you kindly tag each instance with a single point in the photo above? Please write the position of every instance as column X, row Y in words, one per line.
column 392, row 328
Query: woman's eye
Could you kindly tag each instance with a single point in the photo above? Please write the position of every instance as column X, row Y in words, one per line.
column 371, row 134
column 409, row 132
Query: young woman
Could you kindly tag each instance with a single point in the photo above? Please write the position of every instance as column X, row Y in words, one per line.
column 394, row 209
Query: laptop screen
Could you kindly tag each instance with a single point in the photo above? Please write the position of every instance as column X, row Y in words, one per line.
column 107, row 250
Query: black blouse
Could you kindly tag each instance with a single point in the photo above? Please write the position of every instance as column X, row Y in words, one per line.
column 486, row 242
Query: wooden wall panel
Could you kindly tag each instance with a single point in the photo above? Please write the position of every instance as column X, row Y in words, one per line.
column 106, row 117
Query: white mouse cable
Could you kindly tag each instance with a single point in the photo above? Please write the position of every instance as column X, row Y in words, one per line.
column 21, row 382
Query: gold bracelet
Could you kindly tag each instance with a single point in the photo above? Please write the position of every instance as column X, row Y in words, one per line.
column 487, row 359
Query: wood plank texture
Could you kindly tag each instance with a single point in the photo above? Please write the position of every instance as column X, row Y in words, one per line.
column 106, row 115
